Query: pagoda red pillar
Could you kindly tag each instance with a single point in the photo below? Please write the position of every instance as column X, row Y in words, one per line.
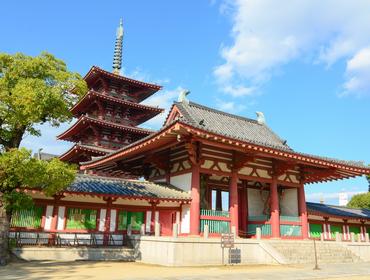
column 274, row 208
column 303, row 211
column 234, row 212
column 195, row 200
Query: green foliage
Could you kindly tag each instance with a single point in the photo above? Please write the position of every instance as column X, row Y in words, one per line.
column 34, row 90
column 19, row 170
column 360, row 201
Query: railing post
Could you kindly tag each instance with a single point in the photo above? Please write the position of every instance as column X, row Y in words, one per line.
column 206, row 231
column 258, row 233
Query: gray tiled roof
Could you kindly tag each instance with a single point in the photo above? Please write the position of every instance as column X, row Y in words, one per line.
column 124, row 187
column 229, row 125
column 340, row 211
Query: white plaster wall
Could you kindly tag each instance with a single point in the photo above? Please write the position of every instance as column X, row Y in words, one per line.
column 182, row 181
column 103, row 213
column 113, row 215
column 61, row 212
column 255, row 202
column 289, row 203
column 48, row 217
column 148, row 220
column 156, row 216
column 185, row 219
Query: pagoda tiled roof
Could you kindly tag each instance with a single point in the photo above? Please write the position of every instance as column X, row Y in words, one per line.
column 99, row 185
column 97, row 151
column 152, row 88
column 86, row 100
column 82, row 120
column 334, row 211
column 113, row 99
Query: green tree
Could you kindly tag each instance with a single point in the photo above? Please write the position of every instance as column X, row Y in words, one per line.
column 33, row 91
column 360, row 201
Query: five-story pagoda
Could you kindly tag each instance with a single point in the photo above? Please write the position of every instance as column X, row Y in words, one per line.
column 108, row 115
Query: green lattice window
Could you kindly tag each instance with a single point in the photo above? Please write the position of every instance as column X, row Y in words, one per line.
column 81, row 219
column 136, row 219
column 334, row 229
column 354, row 229
column 315, row 230
column 27, row 218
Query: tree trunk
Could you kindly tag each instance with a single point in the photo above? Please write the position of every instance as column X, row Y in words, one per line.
column 4, row 231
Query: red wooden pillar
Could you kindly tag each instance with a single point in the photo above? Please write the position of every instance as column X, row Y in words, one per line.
column 303, row 211
column 234, row 213
column 274, row 208
column 54, row 221
column 244, row 205
column 195, row 200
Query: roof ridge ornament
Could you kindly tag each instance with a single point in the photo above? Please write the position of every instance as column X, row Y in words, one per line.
column 117, row 57
column 182, row 96
column 261, row 118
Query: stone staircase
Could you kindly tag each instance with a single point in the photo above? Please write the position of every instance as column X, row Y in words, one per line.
column 300, row 252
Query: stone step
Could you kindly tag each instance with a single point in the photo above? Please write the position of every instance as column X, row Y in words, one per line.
column 303, row 252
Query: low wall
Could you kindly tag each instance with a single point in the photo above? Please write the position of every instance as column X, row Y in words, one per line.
column 193, row 251
column 72, row 254
column 360, row 249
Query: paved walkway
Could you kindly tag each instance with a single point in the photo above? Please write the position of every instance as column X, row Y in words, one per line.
column 121, row 270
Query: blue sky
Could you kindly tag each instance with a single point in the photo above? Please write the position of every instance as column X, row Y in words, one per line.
column 306, row 65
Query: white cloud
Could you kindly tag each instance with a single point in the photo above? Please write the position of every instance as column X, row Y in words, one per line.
column 268, row 34
column 358, row 73
column 163, row 99
column 47, row 141
column 239, row 90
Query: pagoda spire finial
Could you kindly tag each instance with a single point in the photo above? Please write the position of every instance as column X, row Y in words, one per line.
column 117, row 58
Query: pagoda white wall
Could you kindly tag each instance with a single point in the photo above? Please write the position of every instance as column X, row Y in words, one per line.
column 185, row 219
column 103, row 214
column 61, row 213
column 113, row 215
column 182, row 181
column 48, row 217
column 289, row 203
